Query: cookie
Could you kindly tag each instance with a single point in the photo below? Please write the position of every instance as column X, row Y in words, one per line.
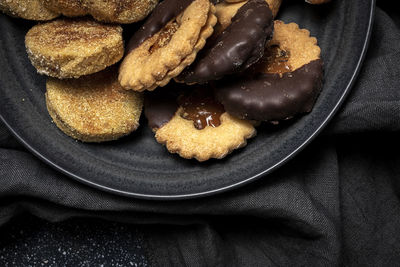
column 167, row 42
column 67, row 48
column 225, row 11
column 93, row 108
column 195, row 125
column 115, row 11
column 285, row 82
column 27, row 9
column 69, row 8
column 236, row 48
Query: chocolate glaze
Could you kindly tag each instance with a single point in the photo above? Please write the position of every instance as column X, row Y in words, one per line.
column 160, row 106
column 161, row 15
column 272, row 96
column 239, row 46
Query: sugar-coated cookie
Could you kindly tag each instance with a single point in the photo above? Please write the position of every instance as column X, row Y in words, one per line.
column 116, row 11
column 67, row 48
column 27, row 9
column 93, row 108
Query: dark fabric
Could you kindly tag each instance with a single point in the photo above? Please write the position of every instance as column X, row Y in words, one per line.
column 336, row 203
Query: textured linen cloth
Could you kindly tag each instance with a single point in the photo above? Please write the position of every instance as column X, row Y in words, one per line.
column 336, row 203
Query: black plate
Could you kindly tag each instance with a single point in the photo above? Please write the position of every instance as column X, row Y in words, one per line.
column 136, row 165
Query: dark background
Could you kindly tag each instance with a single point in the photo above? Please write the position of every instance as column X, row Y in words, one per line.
column 336, row 203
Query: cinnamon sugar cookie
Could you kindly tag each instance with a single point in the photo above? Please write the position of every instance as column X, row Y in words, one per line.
column 93, row 108
column 285, row 82
column 27, row 9
column 116, row 11
column 196, row 126
column 167, row 43
column 67, row 48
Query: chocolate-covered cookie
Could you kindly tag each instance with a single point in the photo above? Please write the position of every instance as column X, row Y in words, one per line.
column 167, row 43
column 285, row 82
column 189, row 121
column 239, row 46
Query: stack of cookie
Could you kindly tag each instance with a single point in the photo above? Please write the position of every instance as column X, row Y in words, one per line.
column 209, row 71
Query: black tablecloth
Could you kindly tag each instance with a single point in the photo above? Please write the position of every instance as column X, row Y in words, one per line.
column 336, row 203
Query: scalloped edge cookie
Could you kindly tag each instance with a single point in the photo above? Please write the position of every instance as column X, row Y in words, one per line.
column 297, row 41
column 142, row 70
column 180, row 136
column 264, row 93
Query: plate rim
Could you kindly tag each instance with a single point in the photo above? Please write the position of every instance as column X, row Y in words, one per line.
column 236, row 185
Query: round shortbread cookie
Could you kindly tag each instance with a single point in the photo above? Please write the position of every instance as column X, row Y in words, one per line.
column 27, row 9
column 67, row 48
column 93, row 108
column 115, row 11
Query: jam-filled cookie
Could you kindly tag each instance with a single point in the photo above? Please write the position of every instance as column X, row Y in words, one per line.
column 239, row 46
column 285, row 82
column 67, row 48
column 195, row 125
column 120, row 11
column 167, row 42
column 93, row 108
column 27, row 9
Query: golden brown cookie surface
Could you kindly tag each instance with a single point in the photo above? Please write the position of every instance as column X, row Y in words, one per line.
column 297, row 42
column 67, row 48
column 195, row 125
column 154, row 60
column 116, row 11
column 93, row 108
column 27, row 9
column 181, row 136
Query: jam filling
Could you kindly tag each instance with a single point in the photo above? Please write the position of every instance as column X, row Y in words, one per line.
column 275, row 60
column 165, row 36
column 201, row 107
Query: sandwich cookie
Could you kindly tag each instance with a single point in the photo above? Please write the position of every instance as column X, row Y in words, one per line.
column 285, row 82
column 193, row 124
column 239, row 46
column 166, row 43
